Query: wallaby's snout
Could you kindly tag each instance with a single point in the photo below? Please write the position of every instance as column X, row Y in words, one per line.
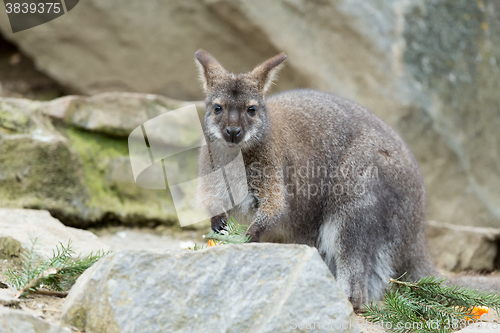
column 232, row 135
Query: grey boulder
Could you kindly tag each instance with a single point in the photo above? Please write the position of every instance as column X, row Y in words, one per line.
column 113, row 113
column 233, row 288
column 17, row 226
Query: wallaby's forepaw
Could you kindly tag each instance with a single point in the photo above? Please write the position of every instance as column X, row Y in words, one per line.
column 254, row 236
column 219, row 222
column 254, row 239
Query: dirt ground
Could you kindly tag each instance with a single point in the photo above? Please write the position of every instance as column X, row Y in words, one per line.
column 43, row 307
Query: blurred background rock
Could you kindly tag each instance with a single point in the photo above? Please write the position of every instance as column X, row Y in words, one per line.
column 429, row 68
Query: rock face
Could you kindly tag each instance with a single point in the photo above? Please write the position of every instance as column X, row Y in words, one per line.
column 236, row 288
column 430, row 68
column 114, row 114
column 17, row 321
column 70, row 156
column 457, row 248
column 39, row 169
column 166, row 31
column 18, row 225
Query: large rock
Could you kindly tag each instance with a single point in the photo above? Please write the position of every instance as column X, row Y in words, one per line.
column 17, row 321
column 70, row 156
column 140, row 47
column 115, row 114
column 18, row 226
column 430, row 68
column 38, row 167
column 236, row 288
column 457, row 248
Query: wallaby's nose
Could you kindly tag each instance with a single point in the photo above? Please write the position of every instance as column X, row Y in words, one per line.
column 232, row 133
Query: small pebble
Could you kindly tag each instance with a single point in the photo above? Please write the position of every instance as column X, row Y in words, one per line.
column 122, row 234
column 186, row 244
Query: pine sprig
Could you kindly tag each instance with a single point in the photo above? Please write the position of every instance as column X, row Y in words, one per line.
column 56, row 273
column 428, row 305
column 18, row 278
column 233, row 233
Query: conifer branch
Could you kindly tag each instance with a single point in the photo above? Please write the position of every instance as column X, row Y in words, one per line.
column 233, row 233
column 55, row 274
column 429, row 305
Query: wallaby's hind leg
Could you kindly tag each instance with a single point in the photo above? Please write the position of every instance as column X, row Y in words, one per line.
column 360, row 265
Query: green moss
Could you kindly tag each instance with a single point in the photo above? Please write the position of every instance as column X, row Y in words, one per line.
column 114, row 196
column 97, row 143
column 40, row 174
column 12, row 120
column 10, row 248
column 95, row 151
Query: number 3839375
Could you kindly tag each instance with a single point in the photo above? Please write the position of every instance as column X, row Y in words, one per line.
column 47, row 7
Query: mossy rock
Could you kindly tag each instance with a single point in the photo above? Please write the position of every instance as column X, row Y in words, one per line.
column 83, row 178
column 10, row 248
column 112, row 192
column 12, row 117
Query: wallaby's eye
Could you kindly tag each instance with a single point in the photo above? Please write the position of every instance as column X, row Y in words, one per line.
column 252, row 110
column 217, row 108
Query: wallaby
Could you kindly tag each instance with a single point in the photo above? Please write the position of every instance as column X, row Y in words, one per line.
column 321, row 171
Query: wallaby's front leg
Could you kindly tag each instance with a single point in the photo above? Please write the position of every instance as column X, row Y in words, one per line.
column 211, row 192
column 219, row 222
column 271, row 207
column 258, row 227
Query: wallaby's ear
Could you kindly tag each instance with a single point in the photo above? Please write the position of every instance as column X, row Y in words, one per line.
column 266, row 72
column 209, row 68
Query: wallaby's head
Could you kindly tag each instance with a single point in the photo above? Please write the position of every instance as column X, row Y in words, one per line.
column 235, row 106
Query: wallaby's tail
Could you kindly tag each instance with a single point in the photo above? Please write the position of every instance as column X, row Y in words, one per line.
column 489, row 283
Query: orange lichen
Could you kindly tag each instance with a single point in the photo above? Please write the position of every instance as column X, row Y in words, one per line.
column 211, row 242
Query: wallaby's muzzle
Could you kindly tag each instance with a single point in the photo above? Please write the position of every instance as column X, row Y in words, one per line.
column 233, row 135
